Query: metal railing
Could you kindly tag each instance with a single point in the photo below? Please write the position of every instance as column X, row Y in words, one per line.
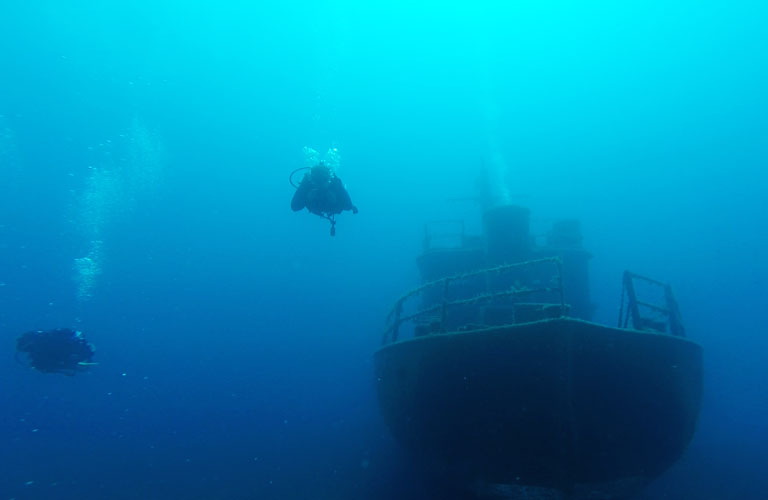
column 669, row 310
column 396, row 318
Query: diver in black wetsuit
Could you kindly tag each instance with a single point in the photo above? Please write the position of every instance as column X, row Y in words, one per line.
column 56, row 351
column 322, row 193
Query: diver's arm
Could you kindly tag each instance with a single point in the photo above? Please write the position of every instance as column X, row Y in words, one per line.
column 345, row 202
column 299, row 200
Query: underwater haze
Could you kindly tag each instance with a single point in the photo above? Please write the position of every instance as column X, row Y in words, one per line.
column 145, row 152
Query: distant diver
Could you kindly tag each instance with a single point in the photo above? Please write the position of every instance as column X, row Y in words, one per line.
column 56, row 351
column 322, row 193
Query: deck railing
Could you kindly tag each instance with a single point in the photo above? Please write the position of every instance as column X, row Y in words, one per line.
column 669, row 310
column 396, row 318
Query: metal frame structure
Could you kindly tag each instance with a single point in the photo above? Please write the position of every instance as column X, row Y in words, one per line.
column 396, row 318
column 669, row 310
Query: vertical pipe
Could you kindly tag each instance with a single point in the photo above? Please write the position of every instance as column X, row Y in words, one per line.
column 632, row 306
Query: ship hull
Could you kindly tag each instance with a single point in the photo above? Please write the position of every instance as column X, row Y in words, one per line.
column 554, row 403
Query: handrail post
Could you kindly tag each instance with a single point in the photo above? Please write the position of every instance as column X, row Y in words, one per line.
column 632, row 307
column 675, row 323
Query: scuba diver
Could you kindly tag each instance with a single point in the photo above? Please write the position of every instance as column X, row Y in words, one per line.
column 56, row 351
column 322, row 193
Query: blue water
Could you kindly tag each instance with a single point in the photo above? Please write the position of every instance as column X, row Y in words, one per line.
column 145, row 149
